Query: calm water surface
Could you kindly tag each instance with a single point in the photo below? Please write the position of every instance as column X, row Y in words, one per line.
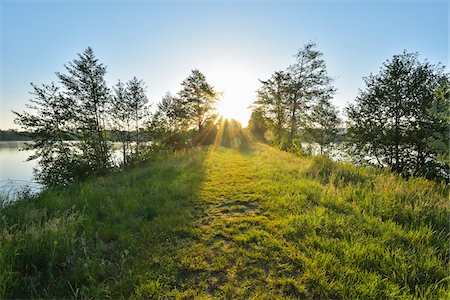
column 15, row 171
column 13, row 162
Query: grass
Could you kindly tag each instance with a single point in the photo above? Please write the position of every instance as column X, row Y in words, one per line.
column 231, row 223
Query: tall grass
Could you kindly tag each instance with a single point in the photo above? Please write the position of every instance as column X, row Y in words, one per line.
column 230, row 223
column 79, row 242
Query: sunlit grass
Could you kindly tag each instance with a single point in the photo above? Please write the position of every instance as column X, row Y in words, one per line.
column 243, row 221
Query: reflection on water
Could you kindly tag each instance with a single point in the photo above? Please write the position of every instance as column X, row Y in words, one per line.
column 13, row 162
column 16, row 173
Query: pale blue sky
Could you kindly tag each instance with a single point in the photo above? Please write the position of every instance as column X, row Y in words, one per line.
column 232, row 42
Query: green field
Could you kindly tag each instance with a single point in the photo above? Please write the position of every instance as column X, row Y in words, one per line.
column 245, row 222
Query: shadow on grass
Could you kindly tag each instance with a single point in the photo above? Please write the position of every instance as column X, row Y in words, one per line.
column 97, row 239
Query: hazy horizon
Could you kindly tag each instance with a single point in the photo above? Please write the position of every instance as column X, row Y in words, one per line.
column 233, row 43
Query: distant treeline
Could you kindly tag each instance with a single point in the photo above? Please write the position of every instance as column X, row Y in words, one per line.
column 14, row 135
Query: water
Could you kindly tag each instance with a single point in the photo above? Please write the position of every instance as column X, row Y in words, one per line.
column 16, row 173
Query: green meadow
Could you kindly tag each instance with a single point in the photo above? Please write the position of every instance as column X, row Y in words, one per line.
column 247, row 222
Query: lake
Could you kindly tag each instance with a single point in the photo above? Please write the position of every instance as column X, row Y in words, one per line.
column 16, row 172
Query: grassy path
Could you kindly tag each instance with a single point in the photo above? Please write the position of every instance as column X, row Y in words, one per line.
column 228, row 259
column 234, row 249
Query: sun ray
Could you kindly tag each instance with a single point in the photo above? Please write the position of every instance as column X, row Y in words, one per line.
column 219, row 135
column 202, row 137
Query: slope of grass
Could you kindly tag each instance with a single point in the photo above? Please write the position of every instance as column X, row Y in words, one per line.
column 231, row 223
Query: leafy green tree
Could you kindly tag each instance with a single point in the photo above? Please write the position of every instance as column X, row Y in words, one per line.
column 324, row 124
column 400, row 116
column 198, row 99
column 308, row 82
column 121, row 117
column 286, row 98
column 85, row 84
column 167, row 126
column 188, row 118
column 439, row 116
column 50, row 120
column 69, row 123
column 272, row 101
column 257, row 124
column 138, row 107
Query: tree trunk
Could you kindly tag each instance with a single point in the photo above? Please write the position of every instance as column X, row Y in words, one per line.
column 124, row 148
column 293, row 122
column 137, row 132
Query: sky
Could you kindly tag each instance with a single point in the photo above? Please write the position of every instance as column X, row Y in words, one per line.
column 234, row 43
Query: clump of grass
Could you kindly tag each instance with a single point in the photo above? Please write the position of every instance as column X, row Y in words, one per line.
column 339, row 174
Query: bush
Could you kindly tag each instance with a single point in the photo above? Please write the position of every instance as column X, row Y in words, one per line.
column 326, row 171
column 294, row 146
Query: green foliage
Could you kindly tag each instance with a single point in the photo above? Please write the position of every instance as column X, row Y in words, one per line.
column 226, row 223
column 197, row 99
column 293, row 146
column 137, row 103
column 273, row 103
column 129, row 110
column 74, row 111
column 401, row 119
column 257, row 125
column 85, row 85
column 166, row 127
column 285, row 100
column 439, row 116
column 187, row 119
column 69, row 123
column 309, row 83
column 51, row 122
column 121, row 115
column 323, row 125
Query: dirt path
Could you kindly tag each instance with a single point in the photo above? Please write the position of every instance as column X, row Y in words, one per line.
column 228, row 210
column 237, row 240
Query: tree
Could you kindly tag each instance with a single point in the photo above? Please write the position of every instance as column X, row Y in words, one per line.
column 394, row 117
column 85, row 84
column 308, row 81
column 69, row 123
column 138, row 106
column 439, row 116
column 50, row 121
column 189, row 117
column 286, row 98
column 324, row 124
column 272, row 101
column 121, row 117
column 198, row 99
column 167, row 126
column 437, row 141
column 257, row 124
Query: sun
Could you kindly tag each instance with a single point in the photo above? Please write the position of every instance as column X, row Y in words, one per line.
column 228, row 109
column 237, row 86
